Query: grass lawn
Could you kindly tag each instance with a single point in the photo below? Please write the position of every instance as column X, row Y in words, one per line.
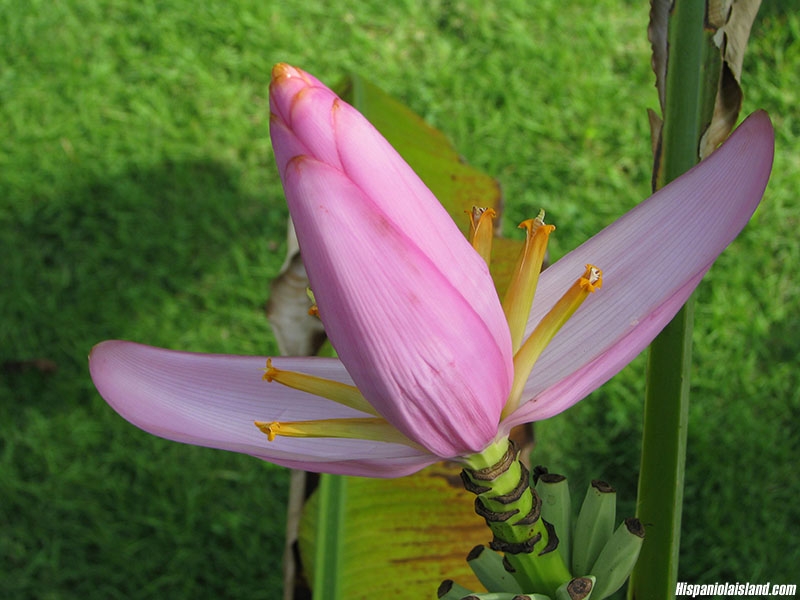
column 139, row 200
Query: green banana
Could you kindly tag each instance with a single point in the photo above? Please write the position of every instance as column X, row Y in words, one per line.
column 450, row 590
column 594, row 526
column 488, row 568
column 505, row 596
column 553, row 489
column 617, row 558
column 580, row 588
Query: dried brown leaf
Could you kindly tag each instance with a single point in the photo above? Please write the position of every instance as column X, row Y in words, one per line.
column 657, row 34
column 728, row 24
column 732, row 20
column 297, row 332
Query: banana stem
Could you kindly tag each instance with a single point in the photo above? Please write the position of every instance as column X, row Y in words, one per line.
column 512, row 510
column 691, row 79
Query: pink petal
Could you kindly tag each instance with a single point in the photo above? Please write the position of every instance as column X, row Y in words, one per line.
column 311, row 126
column 212, row 400
column 416, row 348
column 653, row 258
column 287, row 82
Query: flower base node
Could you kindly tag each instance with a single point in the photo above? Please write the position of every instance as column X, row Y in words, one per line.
column 525, row 547
column 533, row 514
column 498, row 469
column 493, row 516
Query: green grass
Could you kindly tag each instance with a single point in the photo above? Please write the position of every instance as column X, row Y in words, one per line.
column 139, row 200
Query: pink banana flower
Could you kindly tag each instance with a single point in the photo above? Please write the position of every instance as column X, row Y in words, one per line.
column 431, row 364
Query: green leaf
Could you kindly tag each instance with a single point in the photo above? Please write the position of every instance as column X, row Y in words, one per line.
column 394, row 537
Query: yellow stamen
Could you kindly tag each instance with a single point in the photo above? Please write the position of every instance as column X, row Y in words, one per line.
column 377, row 429
column 547, row 328
column 481, row 231
column 348, row 395
column 313, row 311
column 519, row 296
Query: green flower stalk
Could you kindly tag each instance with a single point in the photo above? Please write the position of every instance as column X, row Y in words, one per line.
column 513, row 510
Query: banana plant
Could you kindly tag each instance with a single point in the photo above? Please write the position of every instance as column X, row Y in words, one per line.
column 432, row 365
